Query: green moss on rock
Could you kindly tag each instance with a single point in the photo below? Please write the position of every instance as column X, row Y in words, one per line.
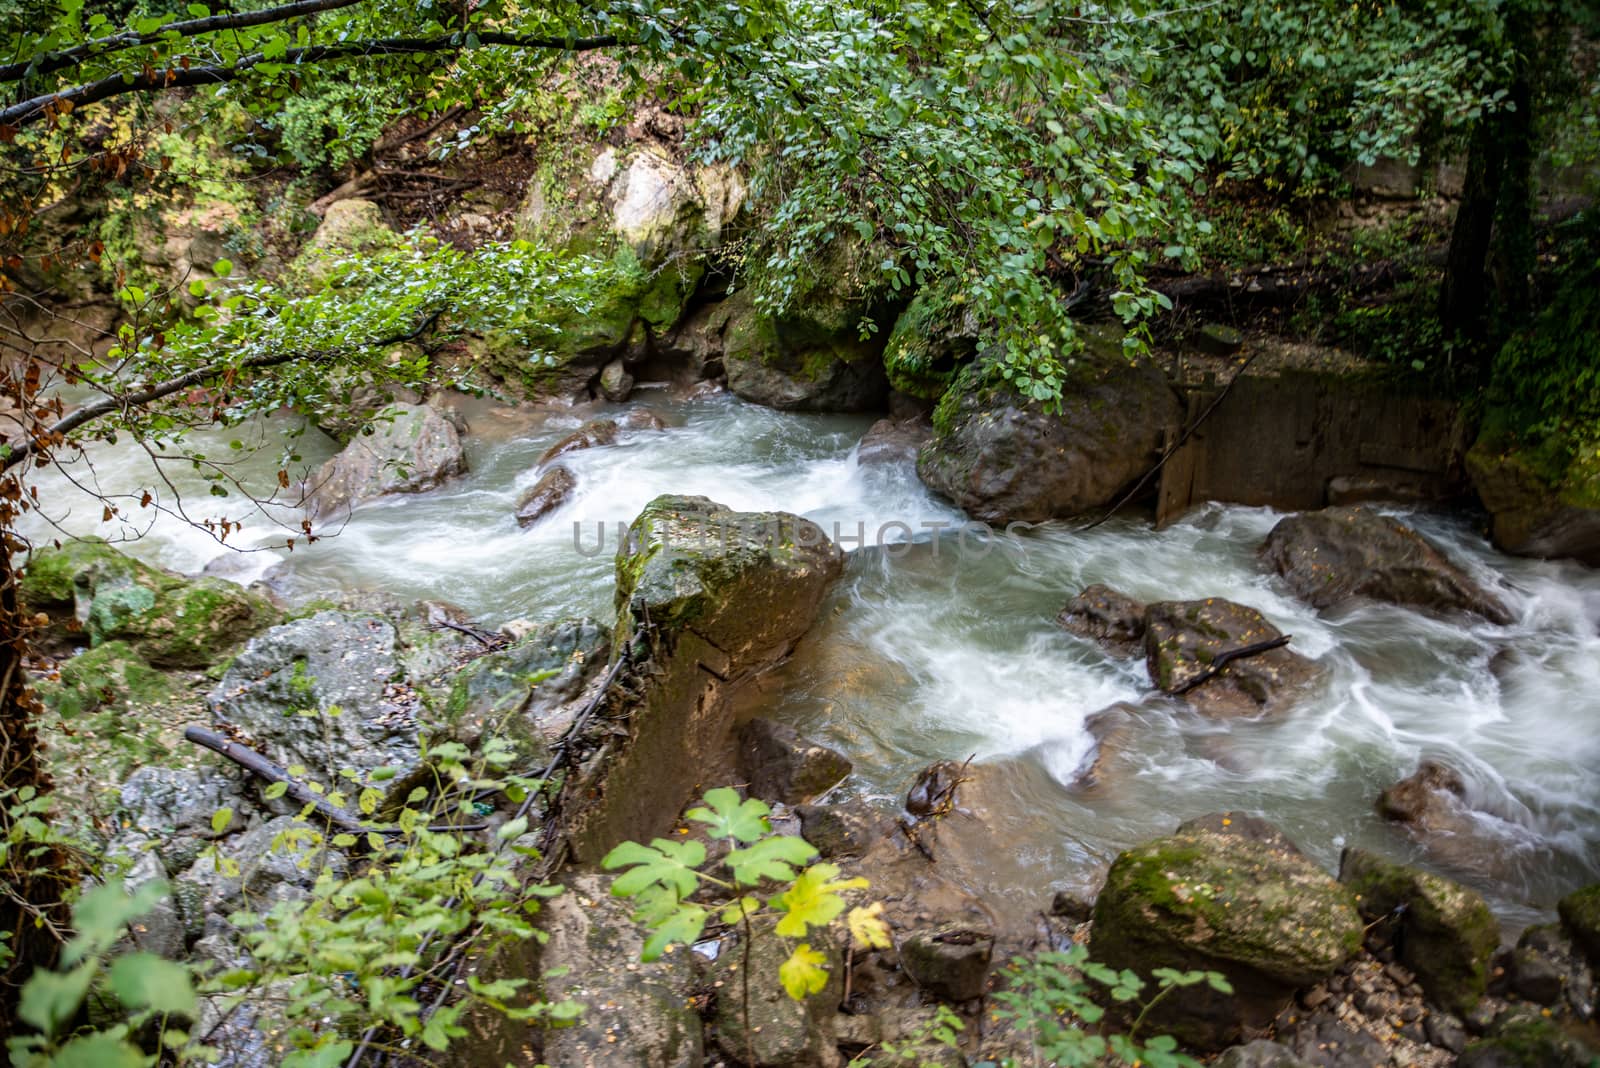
column 930, row 341
column 1580, row 915
column 1445, row 933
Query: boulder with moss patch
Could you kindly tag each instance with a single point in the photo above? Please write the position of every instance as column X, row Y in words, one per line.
column 1003, row 457
column 88, row 587
column 1441, row 930
column 107, row 676
column 1250, row 907
column 930, row 342
column 1184, row 639
column 812, row 358
column 1580, row 915
column 1538, row 509
column 706, row 598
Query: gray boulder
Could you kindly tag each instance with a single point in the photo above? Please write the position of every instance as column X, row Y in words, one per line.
column 591, row 434
column 322, row 693
column 1101, row 613
column 1002, row 457
column 1341, row 554
column 416, row 450
column 545, row 496
column 615, row 382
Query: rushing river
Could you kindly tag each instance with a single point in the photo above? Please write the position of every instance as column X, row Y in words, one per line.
column 935, row 646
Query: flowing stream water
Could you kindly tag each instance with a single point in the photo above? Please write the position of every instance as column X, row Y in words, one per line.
column 936, row 645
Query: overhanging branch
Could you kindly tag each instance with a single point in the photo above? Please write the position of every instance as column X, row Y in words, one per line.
column 39, row 107
column 189, row 379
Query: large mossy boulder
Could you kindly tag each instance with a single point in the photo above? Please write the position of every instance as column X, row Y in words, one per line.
column 89, row 588
column 706, row 598
column 412, row 448
column 811, row 358
column 323, row 693
column 1441, row 930
column 1002, row 457
column 930, row 342
column 1247, row 905
column 1338, row 555
column 107, row 676
column 1183, row 641
column 1538, row 511
column 1523, row 1040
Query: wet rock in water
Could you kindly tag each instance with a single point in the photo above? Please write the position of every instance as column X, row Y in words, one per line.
column 1071, row 906
column 545, row 496
column 1433, row 805
column 893, row 441
column 1113, row 619
column 1259, row 1054
column 934, row 790
column 591, row 434
column 1532, row 516
column 950, row 961
column 1339, row 554
column 712, row 597
column 1113, row 731
column 616, row 384
column 415, row 450
column 1580, row 916
column 86, row 587
column 640, row 419
column 847, row 829
column 1265, row 917
column 322, row 692
column 1004, row 458
column 634, row 1014
column 1242, row 825
column 780, row 765
column 1184, row 639
column 1441, row 930
column 780, row 1031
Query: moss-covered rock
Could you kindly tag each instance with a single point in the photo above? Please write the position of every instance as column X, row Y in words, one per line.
column 110, row 675
column 1539, row 508
column 1255, row 910
column 349, row 227
column 812, row 358
column 1183, row 639
column 1004, row 458
column 1441, row 930
column 930, row 341
column 169, row 620
column 1580, row 915
column 1525, row 1041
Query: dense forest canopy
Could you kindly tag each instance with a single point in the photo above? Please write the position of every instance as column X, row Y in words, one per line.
column 1028, row 167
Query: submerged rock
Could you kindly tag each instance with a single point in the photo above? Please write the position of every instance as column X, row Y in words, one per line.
column 1339, row 554
column 1183, row 639
column 1262, row 915
column 1002, row 457
column 1441, row 930
column 416, row 450
column 545, row 496
column 1101, row 613
column 594, row 432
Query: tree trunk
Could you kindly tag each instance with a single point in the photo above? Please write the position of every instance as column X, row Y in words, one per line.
column 33, row 876
column 1464, row 293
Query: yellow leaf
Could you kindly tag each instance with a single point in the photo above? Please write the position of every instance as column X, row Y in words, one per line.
column 805, row 972
column 868, row 928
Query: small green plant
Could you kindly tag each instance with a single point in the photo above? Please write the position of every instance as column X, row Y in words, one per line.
column 151, row 992
column 665, row 876
column 939, row 1032
column 1049, row 998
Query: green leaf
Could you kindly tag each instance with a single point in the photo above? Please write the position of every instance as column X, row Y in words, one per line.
column 512, row 829
column 728, row 817
column 662, row 863
column 682, row 926
column 275, row 791
column 804, row 973
column 146, row 981
column 50, row 999
column 220, row 820
column 332, row 1055
column 102, row 1050
column 104, row 913
column 813, row 900
column 771, row 858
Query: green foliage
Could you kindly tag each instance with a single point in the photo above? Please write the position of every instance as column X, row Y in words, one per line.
column 940, row 1032
column 664, row 875
column 1049, row 998
column 150, row 991
column 333, row 122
